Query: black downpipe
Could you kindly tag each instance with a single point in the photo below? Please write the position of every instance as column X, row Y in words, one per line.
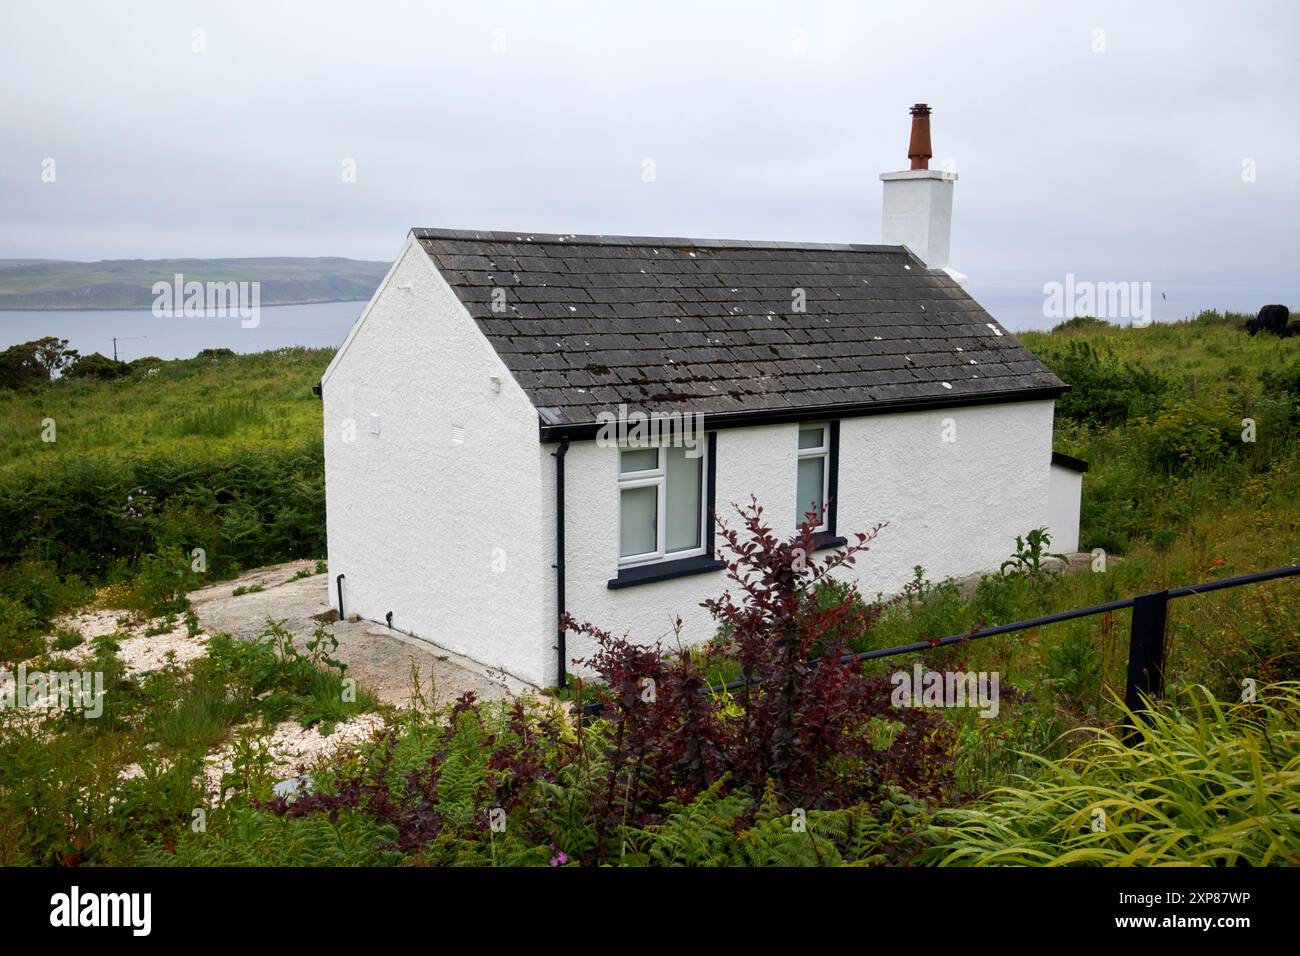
column 562, row 677
column 339, row 582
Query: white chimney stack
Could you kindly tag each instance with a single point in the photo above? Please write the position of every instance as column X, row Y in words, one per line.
column 917, row 208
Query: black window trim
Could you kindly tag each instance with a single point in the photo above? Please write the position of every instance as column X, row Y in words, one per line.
column 682, row 567
column 828, row 538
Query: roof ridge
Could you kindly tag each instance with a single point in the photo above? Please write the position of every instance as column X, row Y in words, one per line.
column 571, row 238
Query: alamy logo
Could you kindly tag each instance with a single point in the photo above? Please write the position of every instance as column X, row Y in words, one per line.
column 49, row 690
column 75, row 908
column 924, row 688
column 636, row 429
column 1101, row 300
column 212, row 300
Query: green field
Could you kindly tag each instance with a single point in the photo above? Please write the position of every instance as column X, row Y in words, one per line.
column 199, row 406
column 1192, row 431
column 222, row 452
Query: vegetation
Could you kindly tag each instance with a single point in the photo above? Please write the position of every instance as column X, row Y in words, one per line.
column 1210, row 784
column 155, row 482
column 112, row 789
column 1192, row 433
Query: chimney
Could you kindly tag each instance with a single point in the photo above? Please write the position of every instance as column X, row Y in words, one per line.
column 917, row 209
column 918, row 150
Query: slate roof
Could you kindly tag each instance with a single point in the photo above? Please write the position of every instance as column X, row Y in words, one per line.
column 671, row 324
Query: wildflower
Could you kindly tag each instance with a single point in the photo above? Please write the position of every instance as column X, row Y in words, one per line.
column 560, row 859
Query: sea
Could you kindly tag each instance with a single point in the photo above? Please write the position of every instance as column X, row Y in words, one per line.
column 1019, row 306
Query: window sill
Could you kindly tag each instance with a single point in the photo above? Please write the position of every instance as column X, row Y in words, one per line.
column 664, row 571
column 824, row 539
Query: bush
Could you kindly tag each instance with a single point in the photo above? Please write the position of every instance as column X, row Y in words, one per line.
column 57, row 798
column 37, row 585
column 926, row 611
column 160, row 585
column 89, row 515
column 1074, row 669
column 20, row 369
column 97, row 366
column 1104, row 390
column 1189, row 435
column 18, row 631
column 807, row 729
column 285, row 681
column 1281, row 382
column 1081, row 323
column 1004, row 598
column 669, row 771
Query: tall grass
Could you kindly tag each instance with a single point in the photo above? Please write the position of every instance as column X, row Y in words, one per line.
column 218, row 421
column 199, row 406
column 1207, row 784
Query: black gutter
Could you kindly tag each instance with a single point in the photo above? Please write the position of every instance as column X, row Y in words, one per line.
column 808, row 413
column 562, row 634
column 339, row 582
column 1069, row 461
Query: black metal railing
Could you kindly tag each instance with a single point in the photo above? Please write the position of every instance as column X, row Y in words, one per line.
column 1146, row 648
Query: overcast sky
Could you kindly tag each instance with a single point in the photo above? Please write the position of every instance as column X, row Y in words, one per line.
column 1110, row 140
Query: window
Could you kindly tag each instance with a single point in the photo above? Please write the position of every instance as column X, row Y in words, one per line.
column 814, row 473
column 661, row 510
column 817, row 478
column 665, row 520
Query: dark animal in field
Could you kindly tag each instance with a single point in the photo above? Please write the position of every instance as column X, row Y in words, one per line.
column 1273, row 319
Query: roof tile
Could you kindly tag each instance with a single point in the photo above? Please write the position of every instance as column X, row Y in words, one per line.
column 709, row 325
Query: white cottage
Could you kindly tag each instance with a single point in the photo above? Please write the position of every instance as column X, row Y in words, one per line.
column 471, row 495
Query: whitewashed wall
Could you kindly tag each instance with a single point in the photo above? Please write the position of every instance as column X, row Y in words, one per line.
column 451, row 537
column 1063, row 496
column 954, row 507
column 760, row 461
column 457, row 538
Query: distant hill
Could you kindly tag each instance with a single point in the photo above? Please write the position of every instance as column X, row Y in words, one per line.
column 128, row 283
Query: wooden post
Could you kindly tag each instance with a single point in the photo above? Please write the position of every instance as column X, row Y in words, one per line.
column 1146, row 653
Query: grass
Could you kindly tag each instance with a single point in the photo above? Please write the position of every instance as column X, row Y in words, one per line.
column 1208, row 784
column 201, row 719
column 66, row 797
column 1160, row 523
column 1173, row 496
column 200, row 407
column 1206, row 351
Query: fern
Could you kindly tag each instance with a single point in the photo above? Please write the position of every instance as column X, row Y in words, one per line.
column 700, row 833
column 463, row 773
column 785, row 839
column 712, row 830
column 254, row 838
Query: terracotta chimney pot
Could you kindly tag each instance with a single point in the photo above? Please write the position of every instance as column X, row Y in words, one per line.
column 918, row 150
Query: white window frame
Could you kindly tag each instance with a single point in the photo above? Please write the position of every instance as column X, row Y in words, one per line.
column 657, row 478
column 822, row 451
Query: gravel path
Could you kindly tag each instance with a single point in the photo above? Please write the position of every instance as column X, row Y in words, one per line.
column 377, row 657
